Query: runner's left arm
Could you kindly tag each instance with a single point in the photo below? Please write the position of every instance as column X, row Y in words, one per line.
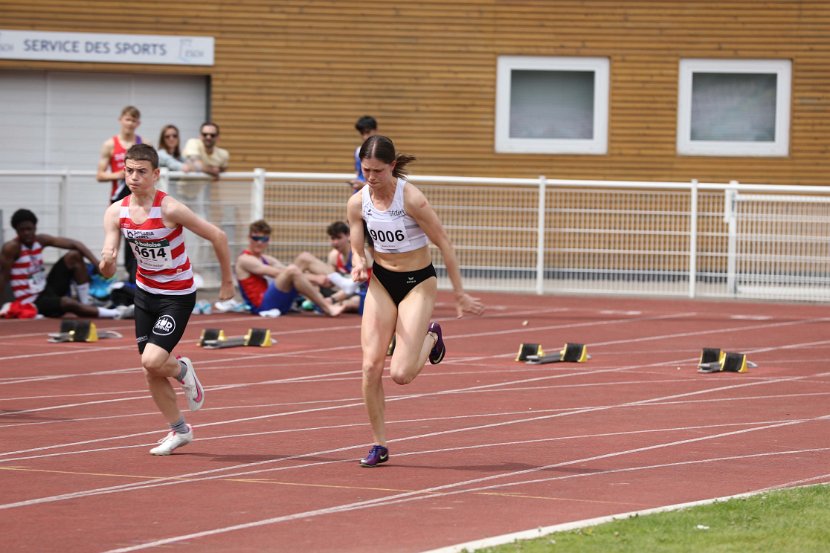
column 176, row 212
column 417, row 205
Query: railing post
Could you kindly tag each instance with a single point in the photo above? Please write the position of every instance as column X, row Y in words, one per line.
column 540, row 238
column 258, row 195
column 164, row 180
column 693, row 240
column 63, row 199
column 730, row 217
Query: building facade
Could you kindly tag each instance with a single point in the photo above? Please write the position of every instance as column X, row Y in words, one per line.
column 594, row 89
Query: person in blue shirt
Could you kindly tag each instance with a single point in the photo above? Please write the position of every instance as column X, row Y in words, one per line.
column 367, row 126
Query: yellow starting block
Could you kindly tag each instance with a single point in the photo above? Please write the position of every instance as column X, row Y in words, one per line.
column 533, row 354
column 212, row 338
column 713, row 360
column 74, row 330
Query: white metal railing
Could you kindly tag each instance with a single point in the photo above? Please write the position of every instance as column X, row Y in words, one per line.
column 718, row 240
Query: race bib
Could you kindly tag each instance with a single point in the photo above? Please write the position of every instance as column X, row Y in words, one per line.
column 153, row 256
column 390, row 235
column 37, row 282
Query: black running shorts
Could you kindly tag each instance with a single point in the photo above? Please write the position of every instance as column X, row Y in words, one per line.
column 161, row 319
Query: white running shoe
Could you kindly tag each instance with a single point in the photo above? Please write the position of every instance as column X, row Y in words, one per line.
column 125, row 312
column 172, row 441
column 193, row 390
column 228, row 306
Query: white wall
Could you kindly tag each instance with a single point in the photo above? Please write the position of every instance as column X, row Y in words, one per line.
column 58, row 120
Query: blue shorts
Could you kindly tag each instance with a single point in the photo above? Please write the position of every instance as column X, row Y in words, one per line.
column 277, row 299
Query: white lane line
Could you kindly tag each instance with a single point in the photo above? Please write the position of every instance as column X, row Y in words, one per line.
column 448, row 490
column 222, row 471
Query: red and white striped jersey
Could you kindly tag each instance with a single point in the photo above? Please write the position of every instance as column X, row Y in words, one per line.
column 163, row 265
column 28, row 276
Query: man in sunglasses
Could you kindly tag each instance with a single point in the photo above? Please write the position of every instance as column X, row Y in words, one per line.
column 204, row 155
column 268, row 285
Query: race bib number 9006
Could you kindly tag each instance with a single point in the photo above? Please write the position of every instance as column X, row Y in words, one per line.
column 390, row 235
column 154, row 256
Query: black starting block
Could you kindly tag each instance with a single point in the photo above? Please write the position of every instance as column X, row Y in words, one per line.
column 256, row 337
column 533, row 354
column 713, row 360
column 391, row 349
column 74, row 330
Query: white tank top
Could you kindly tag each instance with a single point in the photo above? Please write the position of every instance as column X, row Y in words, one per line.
column 392, row 231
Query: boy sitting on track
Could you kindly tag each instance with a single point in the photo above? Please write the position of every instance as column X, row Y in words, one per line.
column 266, row 283
column 21, row 266
column 152, row 223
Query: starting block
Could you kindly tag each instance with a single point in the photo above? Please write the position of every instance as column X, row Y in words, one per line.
column 714, row 360
column 213, row 338
column 527, row 351
column 72, row 330
column 211, row 335
column 391, row 349
column 533, row 354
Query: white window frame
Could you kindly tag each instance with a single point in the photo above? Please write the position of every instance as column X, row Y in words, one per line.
column 597, row 145
column 778, row 147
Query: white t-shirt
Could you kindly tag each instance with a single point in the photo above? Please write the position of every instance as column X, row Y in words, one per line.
column 196, row 148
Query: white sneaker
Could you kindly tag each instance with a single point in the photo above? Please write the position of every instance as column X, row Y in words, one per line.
column 125, row 312
column 172, row 441
column 227, row 306
column 192, row 387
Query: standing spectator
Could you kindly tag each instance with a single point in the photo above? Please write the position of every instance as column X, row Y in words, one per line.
column 367, row 126
column 170, row 154
column 404, row 284
column 153, row 223
column 204, row 155
column 21, row 265
column 111, row 167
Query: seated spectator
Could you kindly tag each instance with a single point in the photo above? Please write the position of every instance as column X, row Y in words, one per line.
column 339, row 261
column 169, row 150
column 267, row 284
column 21, row 264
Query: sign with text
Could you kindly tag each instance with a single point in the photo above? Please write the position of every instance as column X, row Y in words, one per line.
column 106, row 48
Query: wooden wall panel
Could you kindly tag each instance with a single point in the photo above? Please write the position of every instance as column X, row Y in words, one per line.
column 292, row 76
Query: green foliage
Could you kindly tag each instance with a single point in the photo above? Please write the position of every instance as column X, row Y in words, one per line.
column 786, row 521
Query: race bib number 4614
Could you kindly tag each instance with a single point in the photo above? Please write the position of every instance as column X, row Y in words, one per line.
column 154, row 256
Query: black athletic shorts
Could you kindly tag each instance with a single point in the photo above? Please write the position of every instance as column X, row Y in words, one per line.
column 48, row 302
column 161, row 319
column 399, row 284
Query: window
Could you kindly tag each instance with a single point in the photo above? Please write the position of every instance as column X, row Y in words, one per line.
column 734, row 107
column 552, row 105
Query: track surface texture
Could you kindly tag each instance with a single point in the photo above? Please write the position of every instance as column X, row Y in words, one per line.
column 480, row 445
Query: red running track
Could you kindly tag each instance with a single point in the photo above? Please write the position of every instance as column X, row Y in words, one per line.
column 480, row 445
